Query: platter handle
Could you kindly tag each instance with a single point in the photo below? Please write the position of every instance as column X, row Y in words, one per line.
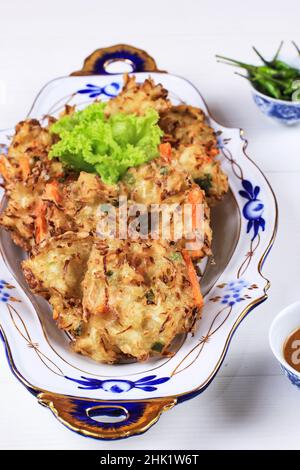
column 99, row 61
column 103, row 419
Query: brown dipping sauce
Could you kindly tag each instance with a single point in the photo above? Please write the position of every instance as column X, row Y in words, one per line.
column 291, row 350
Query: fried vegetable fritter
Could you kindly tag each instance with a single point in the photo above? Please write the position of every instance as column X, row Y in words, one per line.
column 83, row 197
column 28, row 154
column 195, row 142
column 27, row 171
column 138, row 97
column 185, row 125
column 160, row 183
column 137, row 298
column 155, row 182
column 206, row 171
column 118, row 299
column 55, row 270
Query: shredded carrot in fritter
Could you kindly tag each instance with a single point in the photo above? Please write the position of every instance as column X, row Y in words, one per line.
column 40, row 222
column 193, row 279
column 165, row 151
column 25, row 167
column 195, row 197
column 213, row 152
column 52, row 192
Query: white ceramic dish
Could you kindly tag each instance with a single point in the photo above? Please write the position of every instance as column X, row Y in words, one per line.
column 285, row 112
column 77, row 389
column 284, row 324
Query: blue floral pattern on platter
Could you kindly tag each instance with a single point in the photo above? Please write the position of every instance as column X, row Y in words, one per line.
column 110, row 90
column 292, row 377
column 4, row 294
column 147, row 384
column 222, row 141
column 234, row 291
column 288, row 113
column 253, row 209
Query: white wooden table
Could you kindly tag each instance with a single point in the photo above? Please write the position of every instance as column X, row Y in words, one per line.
column 250, row 404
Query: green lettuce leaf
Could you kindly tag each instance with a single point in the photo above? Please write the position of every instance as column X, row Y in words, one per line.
column 108, row 146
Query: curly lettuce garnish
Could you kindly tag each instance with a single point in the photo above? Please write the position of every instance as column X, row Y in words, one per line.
column 108, row 146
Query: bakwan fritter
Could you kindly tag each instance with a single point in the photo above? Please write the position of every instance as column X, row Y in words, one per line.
column 195, row 148
column 119, row 299
column 134, row 296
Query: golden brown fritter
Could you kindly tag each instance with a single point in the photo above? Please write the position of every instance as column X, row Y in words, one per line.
column 55, row 270
column 185, row 125
column 27, row 171
column 138, row 97
column 159, row 182
column 82, row 199
column 118, row 299
column 195, row 142
column 28, row 154
column 136, row 298
column 206, row 171
column 35, row 211
column 154, row 182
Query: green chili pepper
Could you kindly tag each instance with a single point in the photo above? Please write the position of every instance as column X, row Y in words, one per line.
column 281, row 73
column 284, row 69
column 275, row 78
column 269, row 88
column 296, row 90
column 250, row 68
column 285, row 72
column 265, row 61
column 286, row 86
column 263, row 85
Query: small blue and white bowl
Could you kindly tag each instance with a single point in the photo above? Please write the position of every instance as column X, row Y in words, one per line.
column 285, row 323
column 286, row 112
